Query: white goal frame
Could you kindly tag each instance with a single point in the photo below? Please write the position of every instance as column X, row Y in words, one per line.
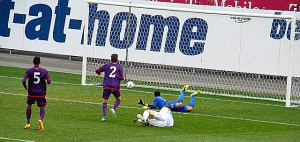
column 292, row 41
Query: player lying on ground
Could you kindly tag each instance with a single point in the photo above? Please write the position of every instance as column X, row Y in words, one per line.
column 163, row 118
column 178, row 105
column 38, row 77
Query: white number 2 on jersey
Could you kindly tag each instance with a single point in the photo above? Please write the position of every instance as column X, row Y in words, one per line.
column 36, row 77
column 113, row 73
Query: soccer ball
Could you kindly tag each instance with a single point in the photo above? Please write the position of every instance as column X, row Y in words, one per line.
column 130, row 84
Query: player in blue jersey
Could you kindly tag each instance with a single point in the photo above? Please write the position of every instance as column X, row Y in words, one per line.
column 111, row 83
column 37, row 80
column 160, row 102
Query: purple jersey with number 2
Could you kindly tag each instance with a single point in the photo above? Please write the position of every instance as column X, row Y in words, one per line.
column 37, row 78
column 113, row 75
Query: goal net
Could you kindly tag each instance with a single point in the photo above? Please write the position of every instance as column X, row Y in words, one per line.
column 222, row 53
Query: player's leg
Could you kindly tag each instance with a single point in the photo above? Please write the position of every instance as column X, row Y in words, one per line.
column 179, row 105
column 30, row 101
column 40, row 122
column 181, row 95
column 160, row 118
column 104, row 108
column 189, row 108
column 151, row 122
column 172, row 104
column 41, row 103
column 28, row 116
column 146, row 114
column 157, row 123
column 191, row 105
column 105, row 96
column 117, row 95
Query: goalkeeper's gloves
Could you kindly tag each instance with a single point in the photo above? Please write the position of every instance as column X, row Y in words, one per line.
column 145, row 107
column 141, row 102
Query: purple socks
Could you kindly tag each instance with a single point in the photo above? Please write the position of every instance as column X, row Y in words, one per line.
column 104, row 107
column 117, row 103
column 28, row 114
column 42, row 113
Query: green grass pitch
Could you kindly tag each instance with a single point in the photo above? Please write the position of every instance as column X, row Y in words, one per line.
column 73, row 114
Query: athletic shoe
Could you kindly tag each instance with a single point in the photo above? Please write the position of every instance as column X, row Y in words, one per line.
column 103, row 119
column 185, row 87
column 113, row 112
column 146, row 122
column 27, row 126
column 196, row 93
column 141, row 119
column 139, row 116
column 41, row 125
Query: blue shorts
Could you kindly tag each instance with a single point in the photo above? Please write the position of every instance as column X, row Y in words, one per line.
column 172, row 104
column 107, row 92
column 173, row 107
column 182, row 109
column 41, row 102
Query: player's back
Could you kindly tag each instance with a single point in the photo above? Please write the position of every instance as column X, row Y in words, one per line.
column 170, row 120
column 159, row 101
column 113, row 75
column 37, row 80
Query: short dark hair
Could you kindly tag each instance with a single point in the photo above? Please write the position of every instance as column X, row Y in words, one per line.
column 36, row 60
column 156, row 93
column 114, row 57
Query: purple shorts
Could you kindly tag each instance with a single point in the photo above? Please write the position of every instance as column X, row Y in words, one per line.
column 107, row 92
column 41, row 102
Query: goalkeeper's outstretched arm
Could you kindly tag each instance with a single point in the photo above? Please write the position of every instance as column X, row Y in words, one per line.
column 145, row 106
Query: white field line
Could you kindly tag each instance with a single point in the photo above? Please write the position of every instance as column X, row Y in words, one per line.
column 194, row 114
column 11, row 139
column 145, row 92
column 211, row 99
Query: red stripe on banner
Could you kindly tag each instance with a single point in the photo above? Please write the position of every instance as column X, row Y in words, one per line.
column 285, row 5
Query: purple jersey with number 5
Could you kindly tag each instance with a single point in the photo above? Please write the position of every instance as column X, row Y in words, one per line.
column 113, row 75
column 37, row 79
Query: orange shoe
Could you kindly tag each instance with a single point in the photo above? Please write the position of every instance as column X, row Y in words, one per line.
column 41, row 125
column 27, row 126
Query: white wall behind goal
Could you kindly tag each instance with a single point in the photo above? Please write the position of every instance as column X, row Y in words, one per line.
column 231, row 43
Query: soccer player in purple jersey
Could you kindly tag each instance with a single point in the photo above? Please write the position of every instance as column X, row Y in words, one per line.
column 37, row 79
column 111, row 84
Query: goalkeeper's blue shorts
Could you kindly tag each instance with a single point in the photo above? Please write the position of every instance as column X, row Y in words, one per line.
column 173, row 107
column 181, row 109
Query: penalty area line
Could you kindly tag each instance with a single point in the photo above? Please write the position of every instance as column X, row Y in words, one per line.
column 193, row 114
column 12, row 139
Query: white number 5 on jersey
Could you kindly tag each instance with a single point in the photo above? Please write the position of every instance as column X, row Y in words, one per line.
column 36, row 77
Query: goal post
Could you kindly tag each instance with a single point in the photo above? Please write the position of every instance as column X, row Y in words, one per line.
column 236, row 54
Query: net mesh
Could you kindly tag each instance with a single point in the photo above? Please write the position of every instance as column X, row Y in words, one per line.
column 162, row 35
